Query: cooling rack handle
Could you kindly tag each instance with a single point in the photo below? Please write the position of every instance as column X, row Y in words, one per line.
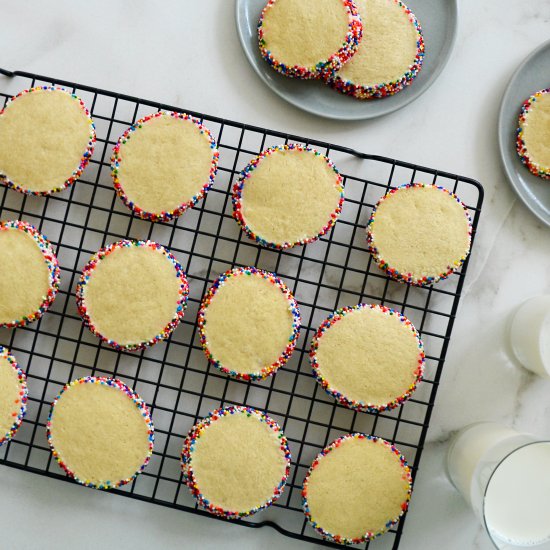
column 6, row 72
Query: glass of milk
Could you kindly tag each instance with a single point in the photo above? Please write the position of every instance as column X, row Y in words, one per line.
column 530, row 335
column 505, row 477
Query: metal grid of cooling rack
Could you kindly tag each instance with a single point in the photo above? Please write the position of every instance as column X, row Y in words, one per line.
column 174, row 376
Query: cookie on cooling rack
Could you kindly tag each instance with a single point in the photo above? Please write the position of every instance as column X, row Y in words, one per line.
column 13, row 395
column 132, row 294
column 309, row 38
column 236, row 462
column 419, row 234
column 29, row 274
column 368, row 357
column 390, row 54
column 164, row 164
column 288, row 195
column 356, row 489
column 100, row 432
column 533, row 134
column 249, row 322
column 46, row 140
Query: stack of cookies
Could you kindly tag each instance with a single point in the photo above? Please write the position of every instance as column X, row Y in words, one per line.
column 362, row 48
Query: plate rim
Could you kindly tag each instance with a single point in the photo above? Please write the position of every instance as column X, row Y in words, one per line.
column 502, row 138
column 447, row 50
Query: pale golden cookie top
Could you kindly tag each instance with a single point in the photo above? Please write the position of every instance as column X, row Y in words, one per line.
column 100, row 432
column 356, row 489
column 236, row 461
column 132, row 294
column 368, row 357
column 419, row 234
column 164, row 164
column 249, row 322
column 288, row 195
column 46, row 140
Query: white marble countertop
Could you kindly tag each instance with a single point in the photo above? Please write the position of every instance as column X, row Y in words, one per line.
column 187, row 53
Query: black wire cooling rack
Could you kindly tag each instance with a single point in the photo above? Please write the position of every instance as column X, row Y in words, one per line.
column 174, row 376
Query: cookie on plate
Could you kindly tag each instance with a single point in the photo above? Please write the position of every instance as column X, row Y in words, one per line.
column 533, row 134
column 164, row 164
column 308, row 38
column 390, row 55
column 132, row 294
column 249, row 322
column 368, row 357
column 13, row 395
column 356, row 489
column 29, row 274
column 236, row 462
column 46, row 140
column 419, row 234
column 100, row 432
column 288, row 195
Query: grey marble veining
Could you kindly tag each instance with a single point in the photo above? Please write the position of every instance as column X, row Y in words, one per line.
column 187, row 53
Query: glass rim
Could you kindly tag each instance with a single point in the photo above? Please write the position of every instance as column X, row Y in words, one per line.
column 502, row 460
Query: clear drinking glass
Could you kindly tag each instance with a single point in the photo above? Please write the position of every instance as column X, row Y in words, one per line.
column 530, row 335
column 505, row 477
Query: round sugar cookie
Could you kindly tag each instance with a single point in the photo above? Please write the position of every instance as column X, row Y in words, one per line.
column 419, row 234
column 46, row 140
column 164, row 164
column 13, row 396
column 533, row 134
column 249, row 323
column 308, row 38
column 390, row 55
column 368, row 357
column 288, row 195
column 100, row 432
column 236, row 462
column 356, row 489
column 132, row 294
column 29, row 274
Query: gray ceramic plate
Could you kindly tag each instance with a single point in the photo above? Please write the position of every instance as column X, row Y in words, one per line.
column 438, row 19
column 532, row 75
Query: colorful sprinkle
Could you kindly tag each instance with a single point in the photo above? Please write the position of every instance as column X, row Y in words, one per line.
column 87, row 272
column 50, row 260
column 323, row 67
column 23, row 396
column 86, row 155
column 384, row 89
column 247, row 173
column 117, row 159
column 187, row 460
column 338, row 315
column 409, row 278
column 534, row 167
column 293, row 307
column 140, row 404
column 369, row 535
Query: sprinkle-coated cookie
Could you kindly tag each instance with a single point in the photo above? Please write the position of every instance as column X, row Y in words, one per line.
column 13, row 395
column 356, row 489
column 368, row 357
column 390, row 55
column 29, row 274
column 288, row 195
column 46, row 140
column 249, row 322
column 533, row 134
column 419, row 234
column 100, row 432
column 308, row 38
column 164, row 164
column 236, row 462
column 132, row 294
